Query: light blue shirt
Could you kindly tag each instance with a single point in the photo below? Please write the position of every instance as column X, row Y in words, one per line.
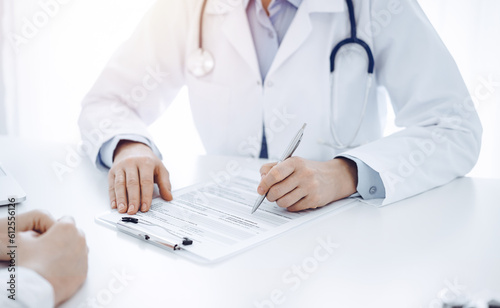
column 268, row 33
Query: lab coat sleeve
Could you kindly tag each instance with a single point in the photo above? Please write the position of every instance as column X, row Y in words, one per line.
column 106, row 153
column 441, row 138
column 370, row 185
column 32, row 290
column 140, row 80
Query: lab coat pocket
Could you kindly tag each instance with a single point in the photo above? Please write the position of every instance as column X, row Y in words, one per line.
column 210, row 107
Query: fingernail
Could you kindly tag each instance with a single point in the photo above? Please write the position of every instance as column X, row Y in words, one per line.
column 260, row 190
column 131, row 208
column 121, row 207
column 143, row 208
column 262, row 175
column 113, row 205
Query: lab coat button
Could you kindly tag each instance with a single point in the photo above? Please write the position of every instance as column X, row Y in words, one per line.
column 259, row 83
column 373, row 190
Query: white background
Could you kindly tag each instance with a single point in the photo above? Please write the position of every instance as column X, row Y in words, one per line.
column 47, row 76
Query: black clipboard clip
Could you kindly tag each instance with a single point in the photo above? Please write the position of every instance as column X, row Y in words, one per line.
column 126, row 225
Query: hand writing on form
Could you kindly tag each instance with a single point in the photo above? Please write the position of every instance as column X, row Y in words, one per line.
column 298, row 184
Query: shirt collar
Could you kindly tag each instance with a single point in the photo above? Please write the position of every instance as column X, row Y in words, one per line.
column 295, row 3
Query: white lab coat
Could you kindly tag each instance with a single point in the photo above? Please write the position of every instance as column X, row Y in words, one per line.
column 441, row 136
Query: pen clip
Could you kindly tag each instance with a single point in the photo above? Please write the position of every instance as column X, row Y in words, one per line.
column 127, row 228
column 296, row 146
column 130, row 219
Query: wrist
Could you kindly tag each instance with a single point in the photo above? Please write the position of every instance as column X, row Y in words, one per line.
column 127, row 146
column 348, row 173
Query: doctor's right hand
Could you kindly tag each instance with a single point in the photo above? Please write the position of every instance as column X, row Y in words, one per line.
column 132, row 177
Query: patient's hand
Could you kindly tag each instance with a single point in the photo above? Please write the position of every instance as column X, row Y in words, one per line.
column 132, row 177
column 56, row 250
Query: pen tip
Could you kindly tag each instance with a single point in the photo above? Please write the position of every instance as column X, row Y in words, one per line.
column 304, row 126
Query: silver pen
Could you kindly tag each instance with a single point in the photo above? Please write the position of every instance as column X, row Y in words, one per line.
column 288, row 153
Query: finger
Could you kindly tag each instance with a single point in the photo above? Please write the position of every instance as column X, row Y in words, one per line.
column 111, row 189
column 291, row 198
column 265, row 168
column 305, row 203
column 65, row 227
column 162, row 178
column 42, row 222
column 146, row 175
column 67, row 219
column 133, row 190
column 37, row 220
column 282, row 188
column 121, row 191
column 277, row 174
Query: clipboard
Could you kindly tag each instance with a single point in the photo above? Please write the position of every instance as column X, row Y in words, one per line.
column 217, row 219
column 167, row 242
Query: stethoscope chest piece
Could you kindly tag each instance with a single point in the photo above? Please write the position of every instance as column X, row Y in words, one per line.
column 201, row 62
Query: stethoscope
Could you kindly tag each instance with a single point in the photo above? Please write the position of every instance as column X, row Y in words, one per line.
column 201, row 63
column 334, row 85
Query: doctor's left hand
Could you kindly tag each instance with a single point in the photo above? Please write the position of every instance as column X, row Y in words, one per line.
column 298, row 184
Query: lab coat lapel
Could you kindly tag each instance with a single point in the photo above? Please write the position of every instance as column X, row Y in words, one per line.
column 237, row 30
column 301, row 27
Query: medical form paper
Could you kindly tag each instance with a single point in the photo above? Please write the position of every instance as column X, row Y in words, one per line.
column 216, row 216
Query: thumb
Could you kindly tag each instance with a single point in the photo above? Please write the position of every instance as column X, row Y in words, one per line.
column 162, row 178
column 63, row 228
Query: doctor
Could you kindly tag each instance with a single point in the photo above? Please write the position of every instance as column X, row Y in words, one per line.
column 256, row 70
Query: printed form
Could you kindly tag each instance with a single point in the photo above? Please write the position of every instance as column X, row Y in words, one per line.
column 217, row 217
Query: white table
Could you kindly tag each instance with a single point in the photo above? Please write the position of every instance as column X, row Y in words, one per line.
column 401, row 255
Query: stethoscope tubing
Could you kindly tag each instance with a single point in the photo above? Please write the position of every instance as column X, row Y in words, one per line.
column 205, row 63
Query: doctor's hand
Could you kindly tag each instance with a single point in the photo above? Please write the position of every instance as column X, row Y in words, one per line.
column 132, row 177
column 298, row 184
